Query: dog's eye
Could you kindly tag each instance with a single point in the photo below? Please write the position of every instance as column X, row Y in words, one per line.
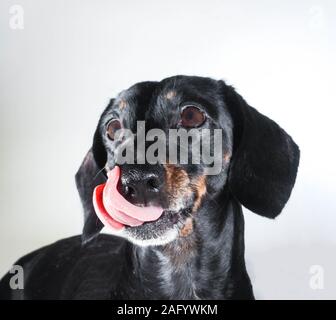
column 192, row 117
column 112, row 128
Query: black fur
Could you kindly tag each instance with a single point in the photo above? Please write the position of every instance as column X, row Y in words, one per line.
column 207, row 264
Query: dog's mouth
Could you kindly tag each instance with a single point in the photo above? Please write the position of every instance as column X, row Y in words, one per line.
column 138, row 223
column 114, row 210
column 170, row 218
column 161, row 231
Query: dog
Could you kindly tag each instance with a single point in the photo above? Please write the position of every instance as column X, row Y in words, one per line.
column 195, row 249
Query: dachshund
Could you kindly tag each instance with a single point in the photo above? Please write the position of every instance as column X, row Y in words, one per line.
column 195, row 248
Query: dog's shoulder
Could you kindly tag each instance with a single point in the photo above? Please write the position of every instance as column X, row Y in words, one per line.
column 69, row 269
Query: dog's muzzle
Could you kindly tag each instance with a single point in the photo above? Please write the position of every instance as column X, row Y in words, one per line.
column 115, row 211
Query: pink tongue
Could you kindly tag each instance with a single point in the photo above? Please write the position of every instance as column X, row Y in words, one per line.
column 109, row 203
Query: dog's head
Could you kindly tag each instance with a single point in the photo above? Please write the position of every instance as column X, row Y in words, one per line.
column 252, row 157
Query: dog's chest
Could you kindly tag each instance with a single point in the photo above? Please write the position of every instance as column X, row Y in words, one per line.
column 176, row 281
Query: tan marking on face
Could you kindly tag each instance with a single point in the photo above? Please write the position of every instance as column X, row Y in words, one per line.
column 170, row 94
column 199, row 186
column 187, row 228
column 177, row 182
column 122, row 104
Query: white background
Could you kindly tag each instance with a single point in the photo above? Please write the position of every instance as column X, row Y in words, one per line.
column 58, row 73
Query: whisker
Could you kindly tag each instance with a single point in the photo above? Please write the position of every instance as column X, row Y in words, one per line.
column 102, row 169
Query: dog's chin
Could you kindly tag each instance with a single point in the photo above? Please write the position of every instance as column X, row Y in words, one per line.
column 156, row 233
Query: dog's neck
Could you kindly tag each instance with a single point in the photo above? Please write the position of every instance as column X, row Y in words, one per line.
column 202, row 264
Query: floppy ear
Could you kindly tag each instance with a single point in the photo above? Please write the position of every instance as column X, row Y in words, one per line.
column 265, row 159
column 88, row 176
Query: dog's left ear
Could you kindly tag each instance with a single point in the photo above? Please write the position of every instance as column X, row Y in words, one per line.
column 265, row 158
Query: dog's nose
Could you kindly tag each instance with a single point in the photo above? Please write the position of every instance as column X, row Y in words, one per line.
column 140, row 187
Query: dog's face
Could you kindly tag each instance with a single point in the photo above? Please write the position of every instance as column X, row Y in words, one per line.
column 176, row 103
column 258, row 159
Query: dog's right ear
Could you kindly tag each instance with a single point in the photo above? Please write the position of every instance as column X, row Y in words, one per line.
column 88, row 176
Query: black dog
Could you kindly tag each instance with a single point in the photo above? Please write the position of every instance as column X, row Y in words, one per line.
column 195, row 250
